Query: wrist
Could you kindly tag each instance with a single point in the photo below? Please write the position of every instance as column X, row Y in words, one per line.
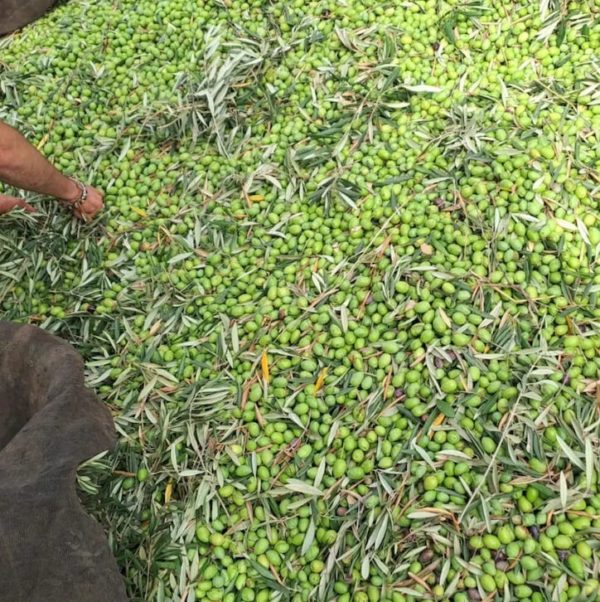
column 75, row 203
column 72, row 192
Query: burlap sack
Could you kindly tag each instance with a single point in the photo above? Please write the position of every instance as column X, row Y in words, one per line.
column 50, row 549
column 15, row 14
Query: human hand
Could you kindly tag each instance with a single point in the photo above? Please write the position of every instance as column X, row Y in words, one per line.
column 8, row 203
column 88, row 209
column 92, row 205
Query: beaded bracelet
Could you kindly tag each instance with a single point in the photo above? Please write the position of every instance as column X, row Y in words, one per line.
column 80, row 201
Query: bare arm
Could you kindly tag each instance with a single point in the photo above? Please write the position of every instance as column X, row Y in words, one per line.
column 23, row 166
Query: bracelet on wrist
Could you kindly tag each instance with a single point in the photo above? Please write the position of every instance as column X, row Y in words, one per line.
column 81, row 199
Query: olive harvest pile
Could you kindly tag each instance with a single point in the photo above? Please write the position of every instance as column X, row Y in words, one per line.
column 343, row 301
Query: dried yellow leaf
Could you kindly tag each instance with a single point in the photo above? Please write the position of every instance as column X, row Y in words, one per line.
column 264, row 363
column 321, row 379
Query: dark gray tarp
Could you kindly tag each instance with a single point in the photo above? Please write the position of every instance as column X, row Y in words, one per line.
column 15, row 14
column 50, row 549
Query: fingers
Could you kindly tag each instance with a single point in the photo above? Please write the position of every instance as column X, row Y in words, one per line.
column 24, row 205
column 8, row 203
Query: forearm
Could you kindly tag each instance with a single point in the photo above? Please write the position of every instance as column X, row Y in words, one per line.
column 23, row 166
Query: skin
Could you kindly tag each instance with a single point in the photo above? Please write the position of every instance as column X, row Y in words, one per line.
column 23, row 166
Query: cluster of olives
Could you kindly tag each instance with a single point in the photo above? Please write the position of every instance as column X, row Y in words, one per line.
column 343, row 298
